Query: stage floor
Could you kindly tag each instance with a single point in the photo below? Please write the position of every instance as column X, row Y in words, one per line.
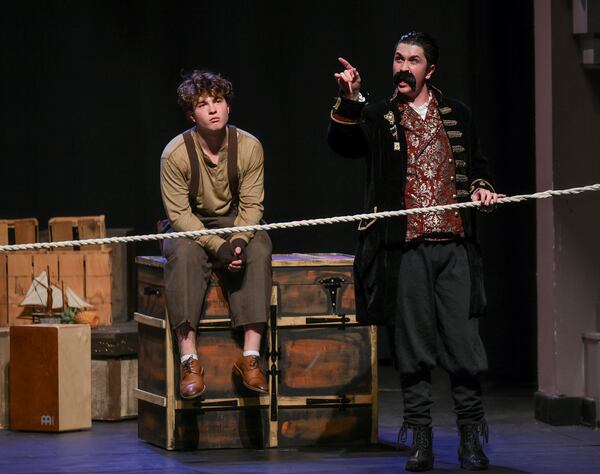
column 518, row 443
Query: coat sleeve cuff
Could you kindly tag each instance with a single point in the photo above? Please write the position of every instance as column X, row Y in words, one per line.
column 481, row 184
column 346, row 111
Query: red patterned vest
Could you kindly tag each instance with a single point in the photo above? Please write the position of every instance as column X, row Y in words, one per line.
column 429, row 176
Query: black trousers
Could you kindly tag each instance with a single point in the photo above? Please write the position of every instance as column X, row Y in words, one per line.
column 432, row 327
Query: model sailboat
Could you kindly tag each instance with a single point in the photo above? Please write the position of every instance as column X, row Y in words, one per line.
column 47, row 300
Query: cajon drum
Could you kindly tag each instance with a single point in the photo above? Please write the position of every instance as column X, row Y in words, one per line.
column 50, row 377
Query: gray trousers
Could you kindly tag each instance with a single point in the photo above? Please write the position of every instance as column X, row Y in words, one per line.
column 432, row 327
column 187, row 274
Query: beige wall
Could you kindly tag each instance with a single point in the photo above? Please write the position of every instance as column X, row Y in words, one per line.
column 568, row 229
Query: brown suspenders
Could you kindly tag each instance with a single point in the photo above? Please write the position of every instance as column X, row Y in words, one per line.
column 232, row 171
column 194, row 168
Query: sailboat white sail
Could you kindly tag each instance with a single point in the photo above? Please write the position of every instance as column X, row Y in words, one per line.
column 75, row 301
column 57, row 297
column 37, row 295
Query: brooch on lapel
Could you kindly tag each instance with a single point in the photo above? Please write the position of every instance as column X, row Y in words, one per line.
column 393, row 130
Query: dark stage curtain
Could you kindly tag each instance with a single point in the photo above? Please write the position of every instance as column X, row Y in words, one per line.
column 88, row 103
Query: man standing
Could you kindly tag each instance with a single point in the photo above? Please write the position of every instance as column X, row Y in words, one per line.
column 212, row 176
column 421, row 275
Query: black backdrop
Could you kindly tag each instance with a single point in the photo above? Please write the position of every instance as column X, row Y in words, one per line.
column 88, row 103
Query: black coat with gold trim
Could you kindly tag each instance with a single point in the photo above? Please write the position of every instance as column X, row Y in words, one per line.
column 358, row 130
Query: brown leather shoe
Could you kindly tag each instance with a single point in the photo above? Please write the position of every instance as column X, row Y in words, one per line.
column 249, row 369
column 191, row 379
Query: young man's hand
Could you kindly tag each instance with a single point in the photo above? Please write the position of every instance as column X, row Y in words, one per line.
column 239, row 250
column 227, row 258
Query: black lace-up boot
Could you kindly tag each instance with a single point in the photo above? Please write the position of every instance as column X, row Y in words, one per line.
column 421, row 450
column 470, row 452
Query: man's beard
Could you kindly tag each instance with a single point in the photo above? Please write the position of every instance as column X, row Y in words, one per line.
column 407, row 77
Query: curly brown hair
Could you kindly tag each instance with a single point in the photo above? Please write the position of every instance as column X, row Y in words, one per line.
column 198, row 83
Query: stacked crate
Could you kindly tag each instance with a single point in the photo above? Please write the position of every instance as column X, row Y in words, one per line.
column 87, row 270
column 4, row 388
column 16, row 270
column 88, row 267
column 321, row 364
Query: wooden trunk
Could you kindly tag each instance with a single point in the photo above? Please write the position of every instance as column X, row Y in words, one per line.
column 52, row 390
column 312, row 285
column 327, row 364
column 151, row 288
column 227, row 415
column 327, row 385
column 322, row 374
column 4, row 378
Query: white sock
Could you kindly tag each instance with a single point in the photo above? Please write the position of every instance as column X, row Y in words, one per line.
column 188, row 356
column 251, row 353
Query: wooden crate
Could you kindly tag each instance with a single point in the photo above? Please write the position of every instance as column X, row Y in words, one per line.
column 98, row 283
column 19, row 231
column 77, row 228
column 4, row 387
column 19, row 274
column 113, row 389
column 337, row 405
column 114, row 372
column 58, row 397
column 87, row 272
column 3, row 289
column 122, row 268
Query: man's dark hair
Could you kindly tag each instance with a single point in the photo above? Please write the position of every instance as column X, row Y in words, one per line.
column 423, row 40
column 198, row 83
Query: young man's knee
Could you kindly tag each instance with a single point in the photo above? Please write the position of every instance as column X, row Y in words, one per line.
column 260, row 248
column 186, row 250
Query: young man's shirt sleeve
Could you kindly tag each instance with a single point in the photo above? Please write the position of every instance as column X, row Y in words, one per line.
column 251, row 191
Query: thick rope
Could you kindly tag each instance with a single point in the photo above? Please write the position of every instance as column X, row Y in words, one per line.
column 292, row 224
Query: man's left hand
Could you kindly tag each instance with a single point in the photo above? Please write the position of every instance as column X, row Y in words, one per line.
column 487, row 198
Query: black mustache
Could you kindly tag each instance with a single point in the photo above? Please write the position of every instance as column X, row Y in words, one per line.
column 405, row 76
